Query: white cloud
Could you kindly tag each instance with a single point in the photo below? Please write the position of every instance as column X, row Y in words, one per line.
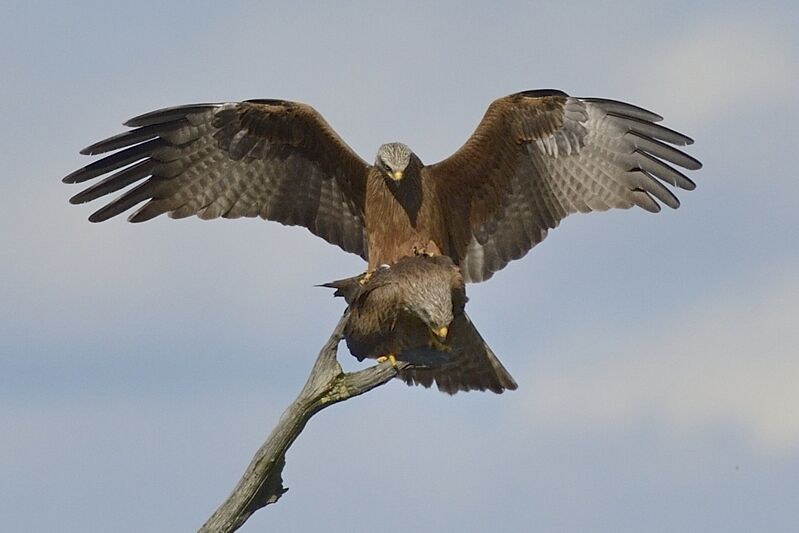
column 726, row 361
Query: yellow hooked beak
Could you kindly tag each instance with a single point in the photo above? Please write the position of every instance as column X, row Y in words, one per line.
column 441, row 333
column 396, row 175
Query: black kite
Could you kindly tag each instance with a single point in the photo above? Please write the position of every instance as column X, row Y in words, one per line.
column 413, row 311
column 536, row 157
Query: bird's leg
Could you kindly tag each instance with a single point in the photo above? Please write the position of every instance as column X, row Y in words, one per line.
column 391, row 358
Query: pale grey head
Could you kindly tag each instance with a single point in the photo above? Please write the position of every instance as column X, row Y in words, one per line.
column 431, row 301
column 393, row 159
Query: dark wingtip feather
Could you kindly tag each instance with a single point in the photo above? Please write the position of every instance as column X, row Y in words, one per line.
column 649, row 129
column 271, row 101
column 131, row 137
column 149, row 211
column 159, row 116
column 664, row 151
column 78, row 199
column 540, row 93
column 693, row 163
column 116, row 181
column 70, row 178
column 124, row 202
column 654, row 166
column 624, row 108
column 115, row 161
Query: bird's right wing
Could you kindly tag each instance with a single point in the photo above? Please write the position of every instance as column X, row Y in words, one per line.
column 272, row 159
column 470, row 365
column 539, row 156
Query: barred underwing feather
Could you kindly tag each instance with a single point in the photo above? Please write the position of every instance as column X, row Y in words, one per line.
column 550, row 155
column 274, row 159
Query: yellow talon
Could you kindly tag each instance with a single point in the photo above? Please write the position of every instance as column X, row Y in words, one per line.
column 391, row 358
column 422, row 251
column 366, row 277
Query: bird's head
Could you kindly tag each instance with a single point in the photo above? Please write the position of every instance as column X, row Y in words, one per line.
column 393, row 160
column 438, row 320
column 433, row 305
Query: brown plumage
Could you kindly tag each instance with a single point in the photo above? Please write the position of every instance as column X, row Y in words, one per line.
column 401, row 311
column 536, row 157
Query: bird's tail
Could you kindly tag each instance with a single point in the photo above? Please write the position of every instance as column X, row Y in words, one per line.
column 471, row 365
column 347, row 288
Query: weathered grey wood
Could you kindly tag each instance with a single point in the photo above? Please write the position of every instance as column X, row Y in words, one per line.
column 262, row 482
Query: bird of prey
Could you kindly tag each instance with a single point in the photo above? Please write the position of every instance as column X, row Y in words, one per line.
column 413, row 311
column 535, row 157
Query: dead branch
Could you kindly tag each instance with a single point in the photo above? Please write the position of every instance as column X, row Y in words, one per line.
column 262, row 482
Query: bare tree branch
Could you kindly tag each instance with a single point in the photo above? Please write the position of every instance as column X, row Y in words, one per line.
column 262, row 482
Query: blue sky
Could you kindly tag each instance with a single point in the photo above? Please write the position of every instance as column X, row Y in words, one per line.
column 657, row 360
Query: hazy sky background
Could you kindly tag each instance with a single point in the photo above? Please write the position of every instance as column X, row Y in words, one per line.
column 142, row 365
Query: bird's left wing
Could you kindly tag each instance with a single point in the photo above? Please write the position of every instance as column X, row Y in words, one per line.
column 273, row 159
column 538, row 156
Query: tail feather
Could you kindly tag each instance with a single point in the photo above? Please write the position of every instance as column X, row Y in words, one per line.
column 471, row 365
column 347, row 288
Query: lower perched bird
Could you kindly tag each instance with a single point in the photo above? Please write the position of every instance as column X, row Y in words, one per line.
column 414, row 311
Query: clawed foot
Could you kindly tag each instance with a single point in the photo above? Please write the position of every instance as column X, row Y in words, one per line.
column 391, row 358
column 422, row 251
column 366, row 277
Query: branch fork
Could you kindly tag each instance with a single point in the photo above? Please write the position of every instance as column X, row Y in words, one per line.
column 328, row 384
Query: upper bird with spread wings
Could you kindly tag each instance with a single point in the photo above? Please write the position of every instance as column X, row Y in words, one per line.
column 535, row 157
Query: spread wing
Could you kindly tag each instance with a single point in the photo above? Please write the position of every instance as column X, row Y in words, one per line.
column 470, row 365
column 538, row 156
column 272, row 159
